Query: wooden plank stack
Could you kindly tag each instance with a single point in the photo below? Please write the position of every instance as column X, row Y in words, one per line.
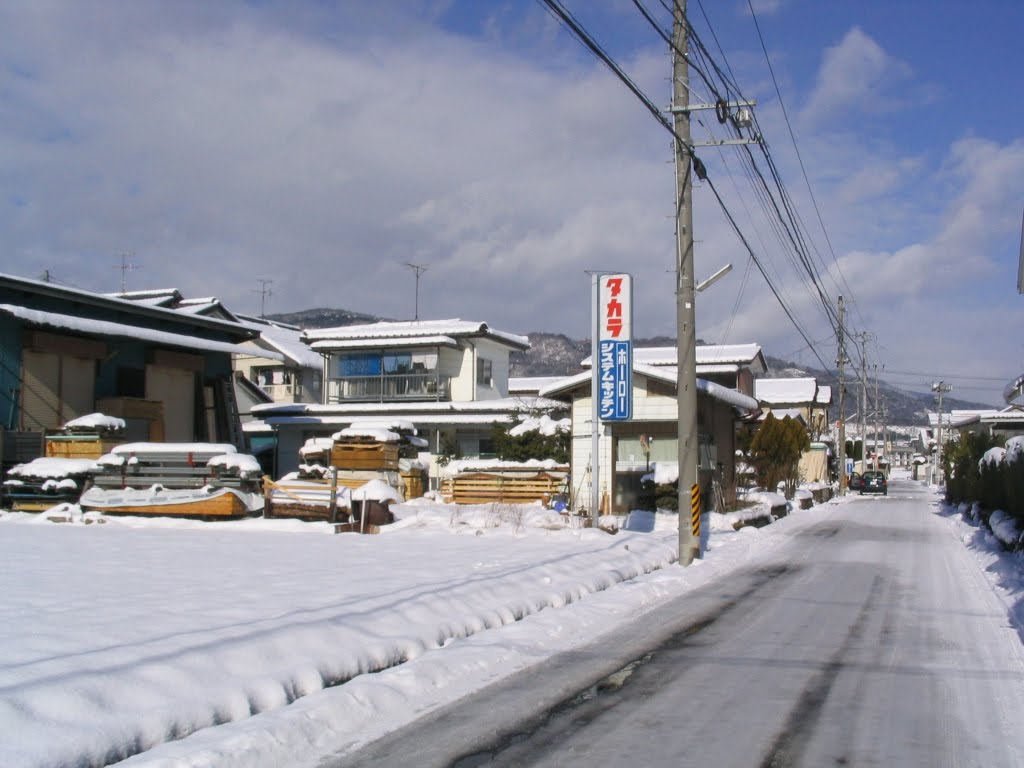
column 364, row 454
column 488, row 488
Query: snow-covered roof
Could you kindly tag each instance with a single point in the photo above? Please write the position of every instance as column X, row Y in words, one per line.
column 418, row 419
column 107, row 328
column 376, row 343
column 288, row 341
column 151, row 306
column 709, row 357
column 963, row 418
column 824, row 395
column 172, row 299
column 786, row 391
column 530, row 384
column 161, row 295
column 661, row 373
column 403, row 331
column 415, row 413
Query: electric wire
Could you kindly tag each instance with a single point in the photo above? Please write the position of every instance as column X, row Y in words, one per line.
column 566, row 18
column 789, row 220
column 792, row 135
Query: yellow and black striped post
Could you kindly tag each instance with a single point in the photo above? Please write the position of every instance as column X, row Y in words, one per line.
column 695, row 510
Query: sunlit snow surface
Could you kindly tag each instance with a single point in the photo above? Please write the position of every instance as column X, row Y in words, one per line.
column 135, row 636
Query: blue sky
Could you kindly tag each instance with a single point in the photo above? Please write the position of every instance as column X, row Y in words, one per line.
column 324, row 145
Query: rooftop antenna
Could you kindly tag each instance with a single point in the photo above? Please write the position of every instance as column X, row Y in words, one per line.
column 264, row 291
column 125, row 266
column 419, row 269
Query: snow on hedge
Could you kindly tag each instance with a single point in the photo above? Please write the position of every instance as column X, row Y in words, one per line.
column 992, row 456
column 1004, row 528
column 544, row 424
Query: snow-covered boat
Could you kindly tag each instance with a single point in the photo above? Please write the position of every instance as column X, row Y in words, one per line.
column 208, row 501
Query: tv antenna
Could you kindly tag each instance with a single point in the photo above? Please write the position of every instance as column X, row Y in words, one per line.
column 264, row 291
column 125, row 266
column 419, row 269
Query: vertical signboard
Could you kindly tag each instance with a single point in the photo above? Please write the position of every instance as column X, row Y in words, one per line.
column 615, row 348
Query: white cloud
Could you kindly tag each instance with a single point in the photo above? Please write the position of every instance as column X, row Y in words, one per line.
column 856, row 76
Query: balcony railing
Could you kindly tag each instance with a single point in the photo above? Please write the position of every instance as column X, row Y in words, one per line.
column 283, row 392
column 389, row 387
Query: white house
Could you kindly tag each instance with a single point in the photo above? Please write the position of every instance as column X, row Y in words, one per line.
column 449, row 378
column 628, row 448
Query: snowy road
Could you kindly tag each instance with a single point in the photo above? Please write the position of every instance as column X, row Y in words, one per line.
column 869, row 638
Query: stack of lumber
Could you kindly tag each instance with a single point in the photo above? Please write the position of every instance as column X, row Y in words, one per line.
column 506, row 487
column 87, row 437
column 45, row 482
column 202, row 479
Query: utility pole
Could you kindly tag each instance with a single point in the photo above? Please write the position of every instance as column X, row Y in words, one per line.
column 940, row 387
column 841, row 361
column 874, row 437
column 686, row 337
column 419, row 269
column 863, row 400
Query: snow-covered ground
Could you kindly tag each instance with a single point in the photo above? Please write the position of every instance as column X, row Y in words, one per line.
column 138, row 636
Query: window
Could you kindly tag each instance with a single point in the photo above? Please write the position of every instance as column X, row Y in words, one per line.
column 131, row 382
column 483, row 371
column 359, row 364
column 388, row 362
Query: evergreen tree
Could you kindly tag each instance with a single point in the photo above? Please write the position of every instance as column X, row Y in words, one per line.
column 775, row 453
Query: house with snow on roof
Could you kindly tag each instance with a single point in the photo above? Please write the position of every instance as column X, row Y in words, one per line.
column 628, row 450
column 806, row 400
column 296, row 378
column 293, row 373
column 448, row 378
column 67, row 353
column 800, row 398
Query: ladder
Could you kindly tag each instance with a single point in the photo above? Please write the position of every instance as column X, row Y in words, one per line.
column 232, row 423
column 718, row 493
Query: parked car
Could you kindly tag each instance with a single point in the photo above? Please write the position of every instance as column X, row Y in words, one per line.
column 853, row 481
column 874, row 482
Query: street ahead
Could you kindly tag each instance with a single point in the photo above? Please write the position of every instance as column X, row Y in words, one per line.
column 870, row 638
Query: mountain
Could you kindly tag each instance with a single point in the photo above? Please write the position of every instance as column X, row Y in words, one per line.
column 555, row 354
column 323, row 318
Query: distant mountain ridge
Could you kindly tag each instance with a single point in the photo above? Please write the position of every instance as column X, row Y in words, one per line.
column 555, row 354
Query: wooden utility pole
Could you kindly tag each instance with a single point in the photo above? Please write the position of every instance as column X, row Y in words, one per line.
column 686, row 337
column 864, row 400
column 874, row 437
column 841, row 362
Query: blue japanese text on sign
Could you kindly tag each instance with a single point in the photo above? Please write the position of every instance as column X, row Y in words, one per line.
column 616, row 380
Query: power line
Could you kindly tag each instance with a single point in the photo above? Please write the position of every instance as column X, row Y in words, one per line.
column 1003, row 379
column 796, row 148
column 585, row 38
